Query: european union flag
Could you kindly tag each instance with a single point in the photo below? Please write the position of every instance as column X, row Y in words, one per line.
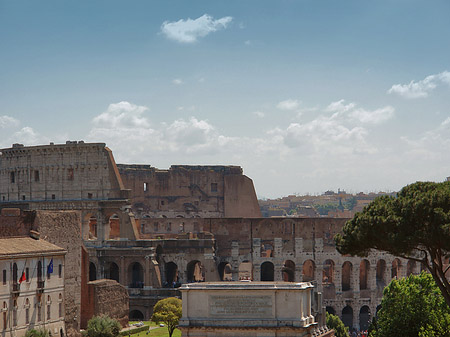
column 50, row 267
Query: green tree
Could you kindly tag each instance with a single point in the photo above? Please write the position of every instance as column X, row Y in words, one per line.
column 103, row 326
column 169, row 312
column 412, row 306
column 415, row 225
column 37, row 333
column 334, row 322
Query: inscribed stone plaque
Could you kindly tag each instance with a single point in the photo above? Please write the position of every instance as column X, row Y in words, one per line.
column 240, row 306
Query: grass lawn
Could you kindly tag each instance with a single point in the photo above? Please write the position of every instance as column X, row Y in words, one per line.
column 158, row 332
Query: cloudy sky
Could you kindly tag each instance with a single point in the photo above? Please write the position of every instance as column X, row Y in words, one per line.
column 306, row 96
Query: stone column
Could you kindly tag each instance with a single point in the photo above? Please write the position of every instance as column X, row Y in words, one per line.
column 147, row 272
column 123, row 272
column 298, row 247
column 355, row 281
column 298, row 273
column 372, row 281
column 338, row 278
column 278, row 273
column 235, row 260
column 256, row 272
column 319, row 276
column 278, row 247
column 256, row 248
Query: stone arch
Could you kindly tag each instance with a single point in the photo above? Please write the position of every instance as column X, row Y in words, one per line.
column 328, row 272
column 114, row 227
column 308, row 271
column 113, row 272
column 288, row 271
column 136, row 315
column 347, row 316
column 410, row 267
column 381, row 274
column 136, row 275
column 347, row 269
column 92, row 271
column 246, row 270
column 330, row 310
column 364, row 318
column 395, row 269
column 364, row 268
column 225, row 271
column 267, row 271
column 171, row 269
column 195, row 271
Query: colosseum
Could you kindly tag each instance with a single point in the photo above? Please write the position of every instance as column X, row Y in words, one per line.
column 152, row 230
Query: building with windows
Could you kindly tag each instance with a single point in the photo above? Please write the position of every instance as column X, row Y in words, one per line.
column 31, row 286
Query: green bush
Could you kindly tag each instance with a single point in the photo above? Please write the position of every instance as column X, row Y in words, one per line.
column 103, row 326
column 37, row 333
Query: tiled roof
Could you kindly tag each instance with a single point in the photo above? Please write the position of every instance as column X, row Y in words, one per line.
column 26, row 245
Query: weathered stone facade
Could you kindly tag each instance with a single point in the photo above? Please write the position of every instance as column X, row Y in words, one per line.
column 192, row 224
column 190, row 191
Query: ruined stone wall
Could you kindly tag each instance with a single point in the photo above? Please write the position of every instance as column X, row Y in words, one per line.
column 106, row 297
column 189, row 191
column 63, row 229
column 73, row 171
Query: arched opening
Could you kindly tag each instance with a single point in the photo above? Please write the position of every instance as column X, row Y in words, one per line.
column 92, row 272
column 328, row 272
column 171, row 274
column 267, row 271
column 308, row 271
column 246, row 271
column 330, row 310
column 410, row 267
column 114, row 271
column 136, row 315
column 93, row 228
column 225, row 271
column 364, row 274
column 395, row 270
column 347, row 316
column 288, row 271
column 195, row 272
column 114, row 227
column 364, row 318
column 137, row 275
column 347, row 268
column 381, row 274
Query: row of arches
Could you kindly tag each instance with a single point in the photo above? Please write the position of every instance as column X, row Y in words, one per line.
column 113, row 226
column 365, row 316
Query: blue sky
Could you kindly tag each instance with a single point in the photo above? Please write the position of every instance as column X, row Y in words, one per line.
column 305, row 95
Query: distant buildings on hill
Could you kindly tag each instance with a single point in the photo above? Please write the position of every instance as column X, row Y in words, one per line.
column 328, row 204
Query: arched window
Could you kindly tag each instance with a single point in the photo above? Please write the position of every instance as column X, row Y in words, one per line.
column 60, row 305
column 27, row 311
column 49, row 312
column 267, row 271
column 308, row 271
column 288, row 271
column 328, row 272
column 171, row 274
column 346, row 276
column 364, row 274
column 364, row 318
column 347, row 316
column 195, row 272
column 225, row 273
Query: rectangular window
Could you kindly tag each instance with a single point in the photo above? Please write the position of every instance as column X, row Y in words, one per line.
column 48, row 276
column 162, row 202
column 39, row 313
column 169, row 227
column 60, row 309
column 53, row 197
column 36, row 175
column 60, row 270
column 27, row 315
column 89, row 195
column 48, row 312
column 213, row 187
column 27, row 274
column 145, row 187
column 23, row 197
column 156, row 226
column 70, row 174
column 4, row 276
column 13, row 177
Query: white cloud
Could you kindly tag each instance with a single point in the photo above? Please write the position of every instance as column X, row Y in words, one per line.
column 289, row 104
column 362, row 115
column 177, row 81
column 420, row 88
column 189, row 31
column 259, row 114
column 340, row 106
column 122, row 115
column 28, row 136
column 7, row 122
